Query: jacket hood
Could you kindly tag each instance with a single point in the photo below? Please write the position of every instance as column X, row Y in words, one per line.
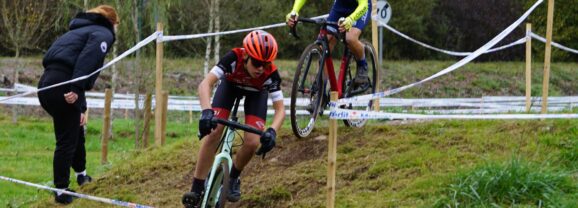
column 86, row 19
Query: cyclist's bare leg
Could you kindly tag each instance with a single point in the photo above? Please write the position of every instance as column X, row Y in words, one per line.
column 354, row 44
column 245, row 153
column 357, row 49
column 207, row 152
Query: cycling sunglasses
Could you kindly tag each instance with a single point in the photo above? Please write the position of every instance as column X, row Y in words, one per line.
column 256, row 63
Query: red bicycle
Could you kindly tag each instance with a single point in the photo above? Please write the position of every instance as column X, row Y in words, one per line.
column 310, row 94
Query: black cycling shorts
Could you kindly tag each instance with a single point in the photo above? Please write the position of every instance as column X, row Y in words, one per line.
column 255, row 103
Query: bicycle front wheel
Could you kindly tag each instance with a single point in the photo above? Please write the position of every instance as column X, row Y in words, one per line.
column 218, row 188
column 307, row 91
column 352, row 91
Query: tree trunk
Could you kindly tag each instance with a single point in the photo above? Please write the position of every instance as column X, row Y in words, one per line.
column 217, row 29
column 16, row 72
column 114, row 72
column 209, row 39
column 138, row 72
column 114, row 77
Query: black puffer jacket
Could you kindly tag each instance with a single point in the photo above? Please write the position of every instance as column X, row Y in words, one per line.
column 81, row 50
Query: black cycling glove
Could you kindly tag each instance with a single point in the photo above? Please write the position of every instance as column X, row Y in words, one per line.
column 206, row 125
column 267, row 141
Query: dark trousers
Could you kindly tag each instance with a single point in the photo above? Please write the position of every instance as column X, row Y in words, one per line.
column 70, row 151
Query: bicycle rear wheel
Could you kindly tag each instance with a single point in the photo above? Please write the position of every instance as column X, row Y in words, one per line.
column 218, row 188
column 307, row 91
column 349, row 90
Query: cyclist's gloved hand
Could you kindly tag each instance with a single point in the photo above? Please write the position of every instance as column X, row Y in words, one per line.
column 346, row 24
column 206, row 125
column 291, row 18
column 267, row 141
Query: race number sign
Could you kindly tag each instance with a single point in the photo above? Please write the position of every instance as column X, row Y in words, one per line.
column 383, row 11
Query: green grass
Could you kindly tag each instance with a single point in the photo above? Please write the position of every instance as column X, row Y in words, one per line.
column 512, row 184
column 27, row 148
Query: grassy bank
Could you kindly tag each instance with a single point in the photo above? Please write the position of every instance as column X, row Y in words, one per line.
column 422, row 164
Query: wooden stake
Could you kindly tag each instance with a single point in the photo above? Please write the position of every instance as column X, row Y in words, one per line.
column 164, row 121
column 331, row 157
column 191, row 116
column 158, row 90
column 86, row 114
column 547, row 56
column 528, row 67
column 147, row 120
column 126, row 111
column 375, row 42
column 105, row 126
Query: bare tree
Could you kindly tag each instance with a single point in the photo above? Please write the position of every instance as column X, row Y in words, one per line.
column 138, row 80
column 210, row 38
column 217, row 29
column 23, row 25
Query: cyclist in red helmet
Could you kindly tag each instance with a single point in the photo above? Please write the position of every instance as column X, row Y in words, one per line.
column 247, row 71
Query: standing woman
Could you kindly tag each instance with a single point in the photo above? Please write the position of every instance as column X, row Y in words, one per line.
column 77, row 53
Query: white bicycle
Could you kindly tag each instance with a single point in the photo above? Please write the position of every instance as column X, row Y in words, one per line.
column 217, row 184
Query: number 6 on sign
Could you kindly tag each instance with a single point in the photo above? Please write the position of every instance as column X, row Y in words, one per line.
column 383, row 11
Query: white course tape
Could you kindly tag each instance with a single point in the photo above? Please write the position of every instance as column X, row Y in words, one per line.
column 23, row 88
column 94, row 198
column 126, row 53
column 557, row 45
column 452, row 53
column 515, row 43
column 486, row 111
column 7, row 90
column 453, row 67
column 343, row 114
column 184, row 37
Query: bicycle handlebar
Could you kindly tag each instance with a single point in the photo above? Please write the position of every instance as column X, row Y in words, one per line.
column 237, row 125
column 321, row 22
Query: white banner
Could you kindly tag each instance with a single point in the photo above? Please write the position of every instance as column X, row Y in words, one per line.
column 343, row 114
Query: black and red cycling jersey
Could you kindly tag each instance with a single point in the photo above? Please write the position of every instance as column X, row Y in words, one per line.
column 235, row 81
column 232, row 68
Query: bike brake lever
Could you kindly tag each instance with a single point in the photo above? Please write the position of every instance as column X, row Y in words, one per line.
column 341, row 34
column 293, row 30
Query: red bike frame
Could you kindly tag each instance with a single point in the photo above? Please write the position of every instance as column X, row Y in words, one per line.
column 336, row 85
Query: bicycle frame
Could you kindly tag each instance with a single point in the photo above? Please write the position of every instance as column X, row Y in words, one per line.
column 336, row 84
column 224, row 154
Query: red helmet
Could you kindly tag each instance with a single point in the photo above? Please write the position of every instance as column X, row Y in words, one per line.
column 260, row 45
